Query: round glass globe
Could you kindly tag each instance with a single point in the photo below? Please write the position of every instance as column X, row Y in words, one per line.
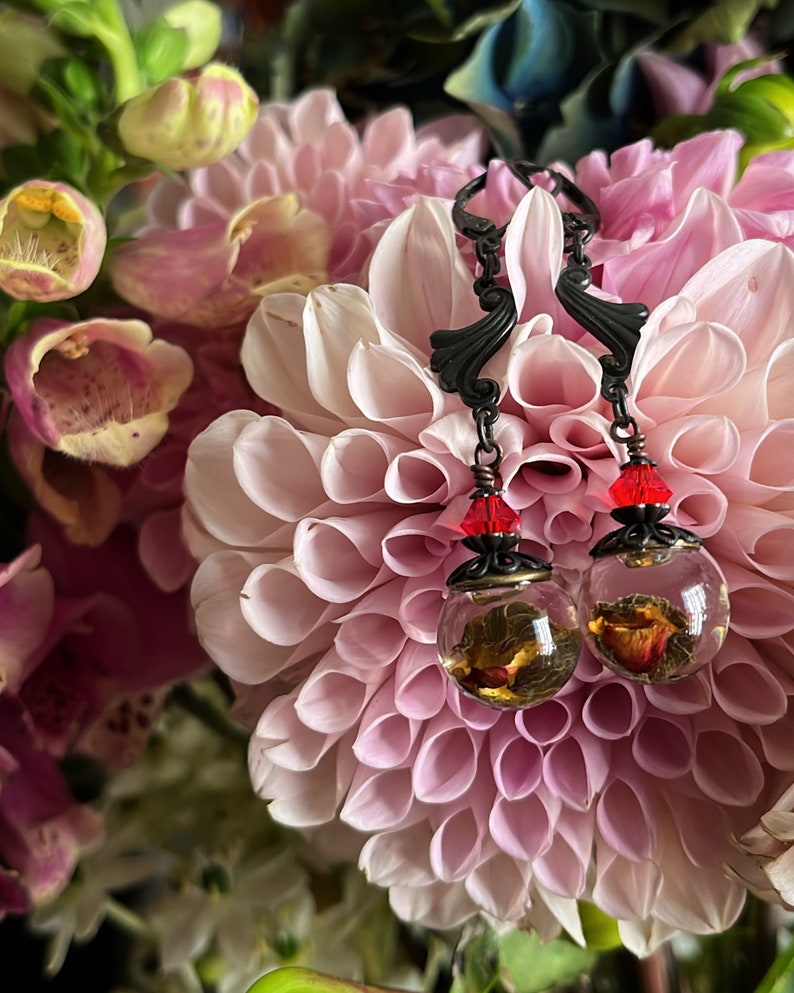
column 509, row 646
column 654, row 615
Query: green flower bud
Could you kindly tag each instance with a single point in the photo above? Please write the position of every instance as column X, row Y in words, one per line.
column 184, row 123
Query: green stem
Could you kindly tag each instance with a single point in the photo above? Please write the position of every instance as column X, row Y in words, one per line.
column 185, row 696
column 115, row 36
column 127, row 920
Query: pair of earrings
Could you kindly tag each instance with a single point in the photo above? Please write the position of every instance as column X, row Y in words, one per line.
column 651, row 608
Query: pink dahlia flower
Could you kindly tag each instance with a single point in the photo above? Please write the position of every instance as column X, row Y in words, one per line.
column 301, row 202
column 326, row 534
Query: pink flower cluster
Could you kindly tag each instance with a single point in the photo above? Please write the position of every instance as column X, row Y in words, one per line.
column 88, row 647
column 326, row 533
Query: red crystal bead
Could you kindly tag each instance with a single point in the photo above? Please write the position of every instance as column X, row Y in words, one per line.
column 490, row 515
column 639, row 482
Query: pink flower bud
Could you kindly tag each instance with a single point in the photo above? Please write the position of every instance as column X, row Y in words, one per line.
column 188, row 122
column 99, row 390
column 52, row 241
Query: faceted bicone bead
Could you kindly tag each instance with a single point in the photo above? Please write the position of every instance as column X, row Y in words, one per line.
column 638, row 483
column 490, row 515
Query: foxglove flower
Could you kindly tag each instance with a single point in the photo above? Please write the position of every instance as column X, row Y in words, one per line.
column 184, row 123
column 302, row 200
column 215, row 274
column 99, row 390
column 325, row 536
column 52, row 241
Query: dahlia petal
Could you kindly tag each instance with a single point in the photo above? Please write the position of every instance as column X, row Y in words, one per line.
column 612, row 710
column 517, row 763
column 760, row 471
column 335, row 320
column 278, row 605
column 288, row 744
column 399, row 857
column 420, row 684
column 385, row 737
column 710, row 908
column 420, row 605
column 455, row 846
column 741, row 285
column 550, row 721
column 265, row 445
column 688, row 697
column 379, row 800
column 523, row 827
column 544, row 470
column 744, row 688
column 446, row 764
column 779, row 823
column 626, row 888
column 469, row 711
column 549, row 376
column 562, row 869
column 675, row 88
column 776, row 744
column 759, row 539
column 421, row 477
column 499, row 886
column 698, row 443
column 224, row 510
column 781, row 875
column 656, row 270
column 697, row 502
column 273, row 354
column 777, row 377
column 760, row 608
column 370, row 640
column 223, row 632
column 433, row 283
column 726, row 769
column 712, row 355
column 533, row 254
column 332, row 699
column 708, row 160
column 299, row 801
column 625, row 818
column 336, row 557
column 642, row 938
column 391, row 388
column 354, row 464
column 439, row 905
column 575, row 768
column 663, row 747
column 411, row 548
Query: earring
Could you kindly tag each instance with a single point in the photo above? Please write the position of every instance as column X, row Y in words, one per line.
column 651, row 608
column 508, row 634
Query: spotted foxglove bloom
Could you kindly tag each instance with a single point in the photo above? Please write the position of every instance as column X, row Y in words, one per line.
column 52, row 241
column 99, row 390
column 326, row 535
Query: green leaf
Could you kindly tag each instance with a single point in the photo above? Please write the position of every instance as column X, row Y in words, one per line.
column 527, row 966
column 480, row 963
column 76, row 18
column 726, row 23
column 599, row 929
column 780, row 977
column 293, row 979
column 161, row 50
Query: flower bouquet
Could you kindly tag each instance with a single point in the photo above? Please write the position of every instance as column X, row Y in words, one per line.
column 232, row 484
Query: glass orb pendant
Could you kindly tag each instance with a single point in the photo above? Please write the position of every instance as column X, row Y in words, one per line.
column 652, row 607
column 507, row 634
